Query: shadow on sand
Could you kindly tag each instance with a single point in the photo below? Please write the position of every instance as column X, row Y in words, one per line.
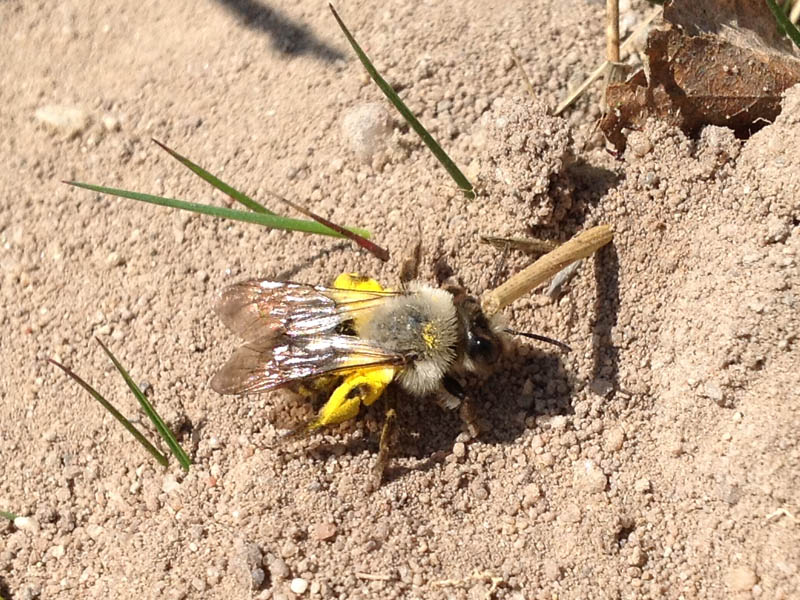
column 427, row 432
column 288, row 37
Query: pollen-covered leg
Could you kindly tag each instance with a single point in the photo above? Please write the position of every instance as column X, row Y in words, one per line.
column 354, row 281
column 362, row 387
column 384, row 448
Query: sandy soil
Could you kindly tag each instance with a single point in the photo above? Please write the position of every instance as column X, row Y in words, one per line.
column 658, row 460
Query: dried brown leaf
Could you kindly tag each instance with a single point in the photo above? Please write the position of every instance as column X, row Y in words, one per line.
column 732, row 77
column 747, row 23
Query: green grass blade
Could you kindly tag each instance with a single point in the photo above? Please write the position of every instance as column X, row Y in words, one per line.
column 156, row 419
column 7, row 515
column 460, row 179
column 784, row 23
column 370, row 247
column 115, row 413
column 216, row 182
column 271, row 221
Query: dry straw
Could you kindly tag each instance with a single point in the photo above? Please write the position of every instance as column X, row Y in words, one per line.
column 581, row 246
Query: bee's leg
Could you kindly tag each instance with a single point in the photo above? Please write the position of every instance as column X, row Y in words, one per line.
column 409, row 268
column 363, row 386
column 388, row 433
column 467, row 413
column 499, row 266
column 354, row 281
column 457, row 393
column 341, row 406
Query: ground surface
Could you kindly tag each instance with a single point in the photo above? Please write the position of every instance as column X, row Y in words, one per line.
column 659, row 459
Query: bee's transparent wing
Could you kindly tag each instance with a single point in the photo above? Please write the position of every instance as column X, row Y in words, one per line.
column 272, row 362
column 259, row 309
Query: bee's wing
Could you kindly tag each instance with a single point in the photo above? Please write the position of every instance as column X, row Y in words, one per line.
column 272, row 362
column 260, row 309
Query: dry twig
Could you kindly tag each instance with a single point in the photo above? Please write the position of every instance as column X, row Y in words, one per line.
column 581, row 246
column 599, row 71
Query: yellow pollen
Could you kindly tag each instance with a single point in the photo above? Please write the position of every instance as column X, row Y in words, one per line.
column 429, row 335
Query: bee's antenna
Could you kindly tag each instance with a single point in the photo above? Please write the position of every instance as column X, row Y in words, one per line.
column 541, row 338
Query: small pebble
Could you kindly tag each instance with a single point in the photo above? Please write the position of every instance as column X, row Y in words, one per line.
column 289, row 549
column 69, row 120
column 637, row 557
column 714, row 392
column 212, row 575
column 531, row 495
column 298, row 585
column 114, row 260
column 278, row 568
column 26, row 524
column 198, row 584
column 551, row 570
column 590, row 476
column 778, row 229
column 546, row 459
column 639, row 144
column 257, row 577
column 366, row 128
column 95, row 531
column 323, row 531
column 741, row 579
column 169, row 484
column 613, row 439
column 110, row 123
column 463, row 437
column 570, row 514
column 479, row 491
column 459, row 449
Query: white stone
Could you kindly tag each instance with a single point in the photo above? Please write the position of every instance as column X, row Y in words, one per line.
column 590, row 476
column 69, row 120
column 26, row 524
column 367, row 128
column 298, row 585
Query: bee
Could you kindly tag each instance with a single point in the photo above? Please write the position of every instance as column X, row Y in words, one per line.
column 357, row 339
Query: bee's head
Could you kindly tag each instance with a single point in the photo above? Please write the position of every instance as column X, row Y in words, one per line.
column 483, row 344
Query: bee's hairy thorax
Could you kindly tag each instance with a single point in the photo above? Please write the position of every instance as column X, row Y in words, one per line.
column 423, row 325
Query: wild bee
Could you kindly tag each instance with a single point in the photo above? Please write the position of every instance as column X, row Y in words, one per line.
column 357, row 338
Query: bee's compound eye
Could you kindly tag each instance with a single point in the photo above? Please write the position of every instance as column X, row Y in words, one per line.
column 482, row 348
